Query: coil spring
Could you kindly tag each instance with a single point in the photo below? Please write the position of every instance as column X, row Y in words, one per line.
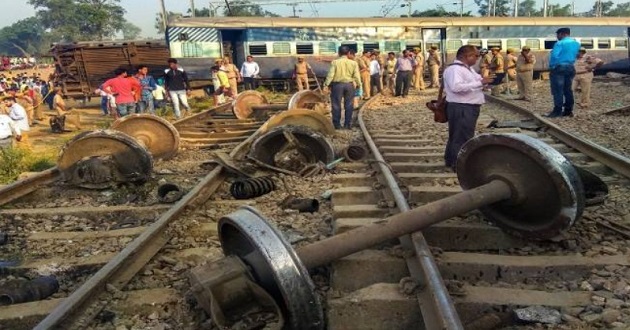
column 253, row 187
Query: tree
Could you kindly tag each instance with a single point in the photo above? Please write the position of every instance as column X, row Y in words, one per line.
column 25, row 37
column 622, row 10
column 501, row 7
column 438, row 11
column 246, row 8
column 556, row 10
column 130, row 31
column 528, row 8
column 159, row 22
column 76, row 20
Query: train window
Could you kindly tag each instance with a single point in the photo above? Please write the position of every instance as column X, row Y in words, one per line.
column 304, row 49
column 259, row 49
column 352, row 45
column 513, row 43
column 392, row 46
column 453, row 44
column 533, row 43
column 281, row 48
column 191, row 49
column 475, row 42
column 474, row 35
column 621, row 44
column 587, row 43
column 412, row 46
column 550, row 43
column 603, row 43
column 494, row 43
column 369, row 46
column 327, row 47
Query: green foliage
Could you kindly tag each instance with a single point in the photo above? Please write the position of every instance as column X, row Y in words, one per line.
column 14, row 161
column 26, row 36
column 130, row 31
column 159, row 22
column 246, row 8
column 439, row 11
column 501, row 8
column 79, row 20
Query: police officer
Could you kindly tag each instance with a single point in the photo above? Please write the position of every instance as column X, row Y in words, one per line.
column 418, row 70
column 364, row 69
column 434, row 63
column 497, row 69
column 390, row 72
column 484, row 63
column 300, row 73
column 510, row 67
column 525, row 74
column 584, row 67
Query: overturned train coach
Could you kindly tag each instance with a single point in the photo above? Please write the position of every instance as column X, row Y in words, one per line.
column 81, row 67
column 276, row 42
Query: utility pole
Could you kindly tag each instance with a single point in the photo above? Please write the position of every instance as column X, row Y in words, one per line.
column 192, row 8
column 227, row 5
column 489, row 7
column 545, row 7
column 164, row 14
column 461, row 8
column 515, row 8
column 599, row 9
column 409, row 8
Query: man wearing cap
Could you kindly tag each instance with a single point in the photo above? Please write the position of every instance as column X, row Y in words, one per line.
column 510, row 67
column 434, row 63
column 525, row 74
column 222, row 87
column 561, row 64
column 497, row 69
column 418, row 70
column 584, row 67
column 300, row 73
column 233, row 74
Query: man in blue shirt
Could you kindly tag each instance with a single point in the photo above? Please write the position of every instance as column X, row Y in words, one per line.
column 561, row 60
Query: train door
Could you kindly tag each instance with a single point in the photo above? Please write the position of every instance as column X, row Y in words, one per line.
column 434, row 37
column 233, row 45
column 628, row 43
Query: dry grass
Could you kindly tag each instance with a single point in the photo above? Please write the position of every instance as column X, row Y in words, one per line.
column 14, row 161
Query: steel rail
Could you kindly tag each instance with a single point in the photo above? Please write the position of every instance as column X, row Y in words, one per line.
column 438, row 310
column 613, row 160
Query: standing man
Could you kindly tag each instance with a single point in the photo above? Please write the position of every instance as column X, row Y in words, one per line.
column 177, row 86
column 145, row 103
column 233, row 74
column 300, row 72
column 375, row 75
column 484, row 63
column 584, row 67
column 434, row 63
column 464, row 96
column 364, row 66
column 525, row 74
column 222, row 88
column 17, row 113
column 497, row 69
column 381, row 62
column 404, row 66
column 343, row 77
column 561, row 64
column 418, row 70
column 510, row 67
column 8, row 130
column 123, row 90
column 390, row 70
column 249, row 72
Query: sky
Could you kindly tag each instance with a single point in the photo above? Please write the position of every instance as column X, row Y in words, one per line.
column 142, row 12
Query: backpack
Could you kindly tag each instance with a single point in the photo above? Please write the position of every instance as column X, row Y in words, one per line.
column 57, row 124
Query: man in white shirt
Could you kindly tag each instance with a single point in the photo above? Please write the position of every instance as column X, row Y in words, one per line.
column 8, row 130
column 375, row 74
column 17, row 114
column 464, row 96
column 249, row 72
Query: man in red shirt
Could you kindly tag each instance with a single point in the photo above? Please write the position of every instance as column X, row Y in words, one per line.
column 124, row 90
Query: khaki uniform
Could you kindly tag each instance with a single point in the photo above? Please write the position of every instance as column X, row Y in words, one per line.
column 301, row 75
column 382, row 59
column 364, row 69
column 497, row 66
column 418, row 72
column 510, row 67
column 434, row 63
column 484, row 65
column 232, row 73
column 72, row 117
column 525, row 75
column 584, row 67
column 390, row 73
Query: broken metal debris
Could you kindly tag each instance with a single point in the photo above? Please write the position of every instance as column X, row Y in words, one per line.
column 309, row 205
column 354, row 153
column 154, row 133
column 528, row 124
column 292, row 148
column 169, row 193
column 538, row 314
column 302, row 117
column 252, row 187
column 24, row 291
column 595, row 189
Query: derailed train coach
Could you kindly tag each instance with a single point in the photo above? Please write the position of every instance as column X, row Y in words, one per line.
column 276, row 42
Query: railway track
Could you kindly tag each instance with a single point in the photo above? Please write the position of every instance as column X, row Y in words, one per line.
column 488, row 273
column 94, row 242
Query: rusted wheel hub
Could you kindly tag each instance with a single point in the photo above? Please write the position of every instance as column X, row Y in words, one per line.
column 156, row 134
column 102, row 159
column 242, row 104
column 305, row 99
column 302, row 117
